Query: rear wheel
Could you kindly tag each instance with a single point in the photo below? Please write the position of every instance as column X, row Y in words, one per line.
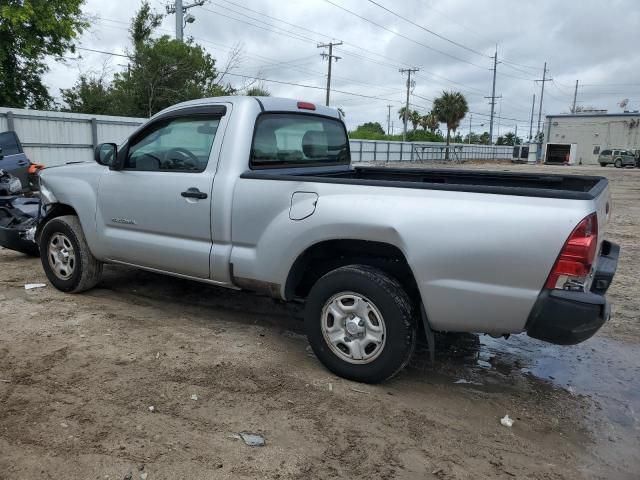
column 603, row 164
column 360, row 323
column 618, row 163
column 66, row 257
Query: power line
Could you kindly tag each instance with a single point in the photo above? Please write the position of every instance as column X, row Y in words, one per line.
column 278, row 19
column 103, row 52
column 442, row 37
column 263, row 79
column 287, row 32
column 404, row 36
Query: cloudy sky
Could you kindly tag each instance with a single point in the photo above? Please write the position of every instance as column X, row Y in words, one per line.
column 450, row 41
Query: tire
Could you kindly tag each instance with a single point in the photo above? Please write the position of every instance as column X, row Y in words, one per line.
column 618, row 163
column 390, row 322
column 603, row 164
column 69, row 264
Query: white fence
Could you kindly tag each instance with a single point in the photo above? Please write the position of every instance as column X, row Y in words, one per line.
column 55, row 138
column 386, row 151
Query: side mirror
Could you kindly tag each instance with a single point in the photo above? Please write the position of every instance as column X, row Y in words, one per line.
column 105, row 154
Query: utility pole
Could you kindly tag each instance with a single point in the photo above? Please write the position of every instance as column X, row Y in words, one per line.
column 533, row 107
column 544, row 80
column 493, row 95
column 470, row 117
column 516, row 139
column 330, row 56
column 406, row 107
column 179, row 9
column 388, row 119
column 575, row 96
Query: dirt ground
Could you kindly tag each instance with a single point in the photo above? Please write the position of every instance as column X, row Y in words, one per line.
column 78, row 374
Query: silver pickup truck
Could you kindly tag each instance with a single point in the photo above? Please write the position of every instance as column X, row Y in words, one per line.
column 260, row 194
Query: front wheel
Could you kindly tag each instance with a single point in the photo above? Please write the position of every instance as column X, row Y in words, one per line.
column 65, row 256
column 360, row 323
column 618, row 163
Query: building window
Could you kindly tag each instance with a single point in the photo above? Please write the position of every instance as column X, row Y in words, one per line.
column 596, row 149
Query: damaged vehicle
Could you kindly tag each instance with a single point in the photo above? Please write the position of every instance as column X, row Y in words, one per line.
column 19, row 215
column 259, row 193
column 13, row 159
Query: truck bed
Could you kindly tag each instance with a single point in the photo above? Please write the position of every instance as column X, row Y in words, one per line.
column 576, row 187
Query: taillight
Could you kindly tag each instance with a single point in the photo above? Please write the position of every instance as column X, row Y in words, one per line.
column 574, row 263
column 306, row 106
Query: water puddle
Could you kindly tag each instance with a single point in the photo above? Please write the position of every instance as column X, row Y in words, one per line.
column 605, row 370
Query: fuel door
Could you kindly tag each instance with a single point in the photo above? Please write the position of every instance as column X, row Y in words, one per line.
column 303, row 204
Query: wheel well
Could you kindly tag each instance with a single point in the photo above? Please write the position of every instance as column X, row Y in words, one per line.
column 323, row 257
column 52, row 211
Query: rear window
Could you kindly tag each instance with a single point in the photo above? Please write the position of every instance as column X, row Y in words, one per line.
column 606, row 152
column 289, row 139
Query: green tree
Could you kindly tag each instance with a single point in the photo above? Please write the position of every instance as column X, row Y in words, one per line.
column 484, row 139
column 472, row 138
column 368, row 131
column 509, row 139
column 401, row 115
column 373, row 127
column 161, row 72
column 90, row 94
column 258, row 92
column 450, row 108
column 415, row 118
column 429, row 122
column 30, row 31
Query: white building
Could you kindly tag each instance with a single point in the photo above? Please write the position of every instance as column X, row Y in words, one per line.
column 581, row 137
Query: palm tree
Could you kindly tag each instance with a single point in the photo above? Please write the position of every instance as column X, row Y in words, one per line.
column 429, row 122
column 414, row 118
column 450, row 108
column 401, row 114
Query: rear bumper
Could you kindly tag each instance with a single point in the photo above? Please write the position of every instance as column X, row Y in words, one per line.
column 567, row 317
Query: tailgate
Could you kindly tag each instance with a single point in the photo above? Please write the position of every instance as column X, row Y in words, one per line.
column 602, row 204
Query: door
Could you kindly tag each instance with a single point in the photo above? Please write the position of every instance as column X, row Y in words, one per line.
column 12, row 158
column 156, row 211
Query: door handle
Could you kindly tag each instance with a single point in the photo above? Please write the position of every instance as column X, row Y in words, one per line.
column 194, row 193
column 23, row 163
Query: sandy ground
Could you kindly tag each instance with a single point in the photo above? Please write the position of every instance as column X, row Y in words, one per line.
column 78, row 374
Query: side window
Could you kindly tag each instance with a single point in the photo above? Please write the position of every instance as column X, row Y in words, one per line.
column 606, row 152
column 9, row 143
column 596, row 149
column 178, row 144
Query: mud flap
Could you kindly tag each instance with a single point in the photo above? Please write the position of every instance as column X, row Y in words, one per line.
column 431, row 338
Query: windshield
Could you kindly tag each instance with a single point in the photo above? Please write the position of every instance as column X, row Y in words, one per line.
column 290, row 139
